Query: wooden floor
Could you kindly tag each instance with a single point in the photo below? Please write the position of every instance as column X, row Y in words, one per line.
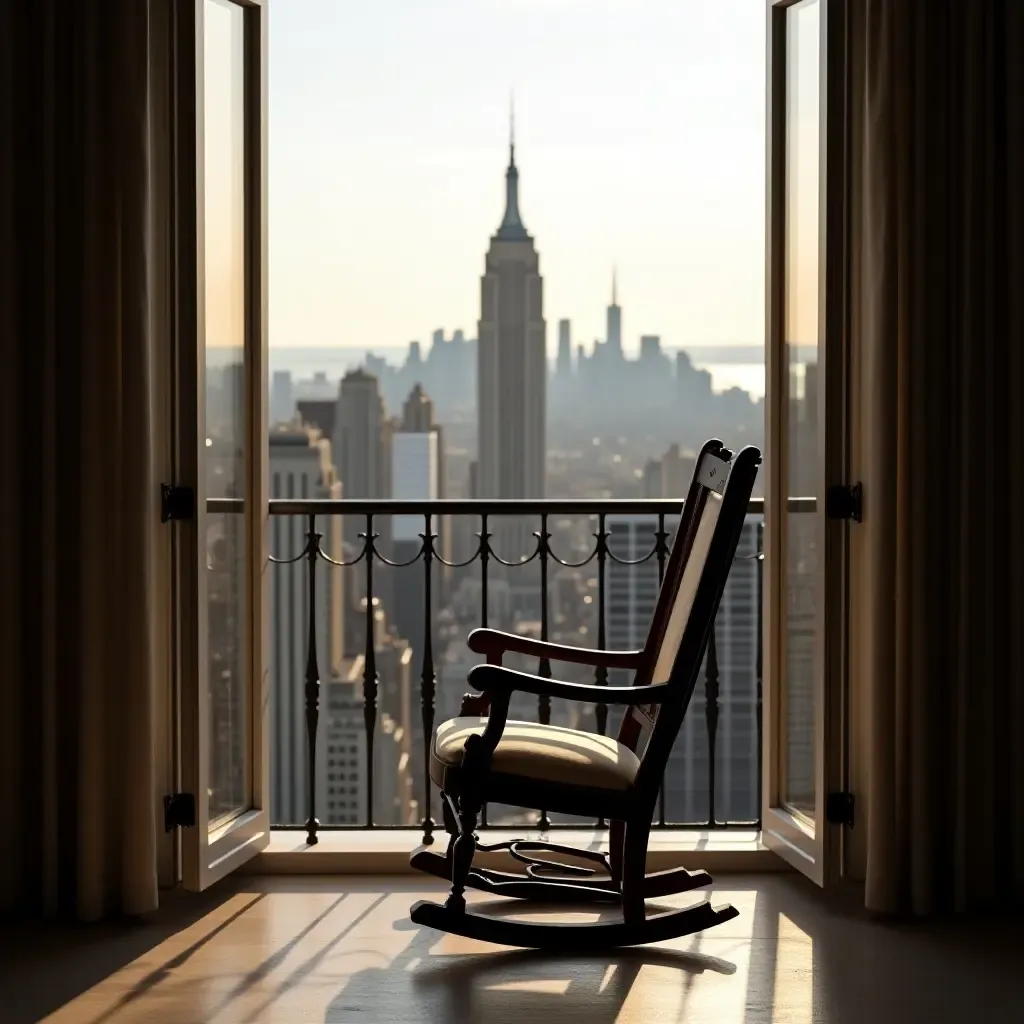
column 342, row 949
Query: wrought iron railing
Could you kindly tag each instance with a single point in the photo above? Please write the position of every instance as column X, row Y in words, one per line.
column 367, row 555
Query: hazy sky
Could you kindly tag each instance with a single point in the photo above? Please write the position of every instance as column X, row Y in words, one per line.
column 639, row 139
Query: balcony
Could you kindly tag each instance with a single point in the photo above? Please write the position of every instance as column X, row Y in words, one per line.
column 370, row 603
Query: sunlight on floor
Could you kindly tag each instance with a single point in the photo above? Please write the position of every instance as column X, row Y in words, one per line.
column 793, row 996
column 353, row 955
column 343, row 949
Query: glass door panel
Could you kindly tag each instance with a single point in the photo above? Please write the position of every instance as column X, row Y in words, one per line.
column 225, row 366
column 222, row 438
column 805, row 573
column 801, row 302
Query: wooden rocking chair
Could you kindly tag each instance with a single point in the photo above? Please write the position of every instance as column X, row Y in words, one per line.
column 476, row 760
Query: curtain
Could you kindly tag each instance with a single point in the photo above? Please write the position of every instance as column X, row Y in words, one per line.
column 78, row 780
column 938, row 329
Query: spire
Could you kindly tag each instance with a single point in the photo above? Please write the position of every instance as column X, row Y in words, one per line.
column 615, row 288
column 511, row 129
column 512, row 228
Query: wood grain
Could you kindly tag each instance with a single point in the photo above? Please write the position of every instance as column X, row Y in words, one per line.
column 342, row 949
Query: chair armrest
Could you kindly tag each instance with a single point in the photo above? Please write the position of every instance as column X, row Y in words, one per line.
column 495, row 642
column 498, row 679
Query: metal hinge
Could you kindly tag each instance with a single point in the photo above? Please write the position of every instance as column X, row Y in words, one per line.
column 845, row 501
column 176, row 503
column 839, row 809
column 179, row 811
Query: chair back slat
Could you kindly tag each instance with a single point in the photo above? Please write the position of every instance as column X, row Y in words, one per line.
column 695, row 498
column 702, row 556
column 641, row 717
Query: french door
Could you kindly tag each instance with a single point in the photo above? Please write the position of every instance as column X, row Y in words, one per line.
column 221, row 541
column 806, row 514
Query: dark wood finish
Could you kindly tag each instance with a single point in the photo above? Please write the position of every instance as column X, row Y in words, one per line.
column 474, row 704
column 496, row 678
column 493, row 641
column 595, row 889
column 563, row 937
column 661, row 706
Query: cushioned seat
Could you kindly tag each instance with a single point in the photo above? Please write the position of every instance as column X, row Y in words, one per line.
column 549, row 753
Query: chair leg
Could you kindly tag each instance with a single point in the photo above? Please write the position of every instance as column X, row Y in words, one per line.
column 462, row 855
column 448, row 815
column 616, row 837
column 634, row 871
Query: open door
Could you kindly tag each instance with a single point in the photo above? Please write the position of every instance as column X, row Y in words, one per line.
column 221, row 541
column 808, row 502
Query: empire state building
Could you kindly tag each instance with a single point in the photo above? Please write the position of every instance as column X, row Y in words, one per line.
column 511, row 359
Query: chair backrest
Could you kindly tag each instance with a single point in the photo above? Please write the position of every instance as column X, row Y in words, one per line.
column 630, row 731
column 705, row 546
column 677, row 559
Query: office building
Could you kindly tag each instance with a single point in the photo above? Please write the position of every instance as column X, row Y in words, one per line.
column 512, row 362
column 300, row 467
column 632, row 596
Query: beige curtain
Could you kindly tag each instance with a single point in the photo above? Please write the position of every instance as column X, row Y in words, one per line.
column 79, row 510
column 938, row 328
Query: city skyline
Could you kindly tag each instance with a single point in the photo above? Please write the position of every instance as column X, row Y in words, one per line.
column 388, row 196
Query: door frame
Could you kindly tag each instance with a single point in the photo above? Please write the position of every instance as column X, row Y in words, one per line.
column 207, row 854
column 812, row 846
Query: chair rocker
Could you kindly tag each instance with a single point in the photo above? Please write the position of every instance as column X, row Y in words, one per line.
column 477, row 760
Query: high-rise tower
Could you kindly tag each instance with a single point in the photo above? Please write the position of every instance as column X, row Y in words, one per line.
column 362, row 454
column 361, row 436
column 563, row 364
column 614, row 321
column 511, row 358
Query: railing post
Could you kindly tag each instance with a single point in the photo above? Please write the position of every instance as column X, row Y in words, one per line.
column 369, row 671
column 544, row 702
column 427, row 677
column 711, row 716
column 312, row 693
column 758, row 705
column 601, row 673
column 661, row 546
column 485, row 553
column 603, row 553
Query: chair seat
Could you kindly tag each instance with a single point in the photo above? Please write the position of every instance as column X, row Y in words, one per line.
column 549, row 753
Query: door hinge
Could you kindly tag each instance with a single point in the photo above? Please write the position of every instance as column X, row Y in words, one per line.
column 839, row 809
column 176, row 503
column 179, row 811
column 845, row 501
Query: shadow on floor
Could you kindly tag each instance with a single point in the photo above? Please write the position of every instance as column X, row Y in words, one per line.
column 521, row 985
column 44, row 966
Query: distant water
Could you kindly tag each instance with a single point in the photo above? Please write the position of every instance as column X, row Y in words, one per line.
column 729, row 366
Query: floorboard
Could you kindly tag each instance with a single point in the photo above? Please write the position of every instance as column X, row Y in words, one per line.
column 339, row 949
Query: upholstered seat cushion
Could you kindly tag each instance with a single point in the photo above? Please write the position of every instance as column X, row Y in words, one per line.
column 549, row 753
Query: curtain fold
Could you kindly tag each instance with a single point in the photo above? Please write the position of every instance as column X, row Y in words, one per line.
column 79, row 513
column 938, row 322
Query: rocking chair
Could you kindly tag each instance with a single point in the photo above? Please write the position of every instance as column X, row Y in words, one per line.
column 477, row 760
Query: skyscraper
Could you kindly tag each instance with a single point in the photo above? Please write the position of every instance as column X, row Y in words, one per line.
column 632, row 595
column 362, row 453
column 614, row 322
column 563, row 364
column 300, row 467
column 282, row 397
column 511, row 359
column 360, row 436
column 418, row 418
